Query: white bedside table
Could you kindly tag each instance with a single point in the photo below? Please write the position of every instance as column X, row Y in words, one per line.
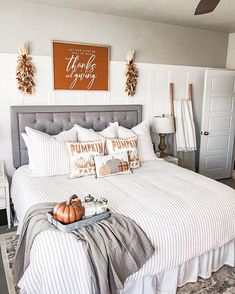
column 5, row 198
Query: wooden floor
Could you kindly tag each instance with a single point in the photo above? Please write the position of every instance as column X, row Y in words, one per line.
column 228, row 182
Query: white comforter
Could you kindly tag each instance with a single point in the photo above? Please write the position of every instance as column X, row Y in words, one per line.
column 184, row 215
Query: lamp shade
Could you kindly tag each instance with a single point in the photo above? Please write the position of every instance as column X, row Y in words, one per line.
column 163, row 124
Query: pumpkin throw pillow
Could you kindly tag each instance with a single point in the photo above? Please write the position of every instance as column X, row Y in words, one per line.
column 121, row 145
column 110, row 165
column 82, row 157
column 145, row 145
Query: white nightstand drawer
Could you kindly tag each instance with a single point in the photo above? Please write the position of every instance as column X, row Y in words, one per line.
column 2, row 191
column 2, row 203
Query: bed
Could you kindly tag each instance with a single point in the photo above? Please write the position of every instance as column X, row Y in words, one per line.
column 188, row 218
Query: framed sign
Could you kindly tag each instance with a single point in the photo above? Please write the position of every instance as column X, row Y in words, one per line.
column 78, row 66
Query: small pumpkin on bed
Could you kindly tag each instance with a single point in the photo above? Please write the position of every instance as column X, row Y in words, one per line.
column 69, row 211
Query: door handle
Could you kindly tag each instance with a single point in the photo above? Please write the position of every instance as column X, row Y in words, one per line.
column 206, row 133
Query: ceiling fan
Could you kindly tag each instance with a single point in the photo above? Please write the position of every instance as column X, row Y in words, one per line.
column 206, row 6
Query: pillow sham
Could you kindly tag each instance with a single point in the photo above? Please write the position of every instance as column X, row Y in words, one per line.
column 48, row 155
column 145, row 145
column 82, row 157
column 110, row 165
column 89, row 135
column 31, row 165
column 121, row 145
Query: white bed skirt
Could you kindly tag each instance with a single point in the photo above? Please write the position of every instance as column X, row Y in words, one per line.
column 168, row 281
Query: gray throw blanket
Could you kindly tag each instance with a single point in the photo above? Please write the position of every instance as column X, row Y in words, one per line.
column 117, row 247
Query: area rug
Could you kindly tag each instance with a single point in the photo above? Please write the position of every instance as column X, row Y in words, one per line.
column 221, row 282
column 8, row 244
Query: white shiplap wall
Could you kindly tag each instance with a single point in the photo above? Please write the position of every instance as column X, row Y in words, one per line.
column 152, row 91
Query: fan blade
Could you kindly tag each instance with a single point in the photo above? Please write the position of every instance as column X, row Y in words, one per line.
column 206, row 6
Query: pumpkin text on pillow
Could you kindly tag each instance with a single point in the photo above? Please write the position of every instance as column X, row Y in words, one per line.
column 121, row 145
column 145, row 145
column 114, row 164
column 82, row 157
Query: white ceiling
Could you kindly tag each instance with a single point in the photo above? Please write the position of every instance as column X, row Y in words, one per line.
column 178, row 12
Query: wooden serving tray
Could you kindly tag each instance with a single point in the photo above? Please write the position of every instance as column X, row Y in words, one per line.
column 67, row 228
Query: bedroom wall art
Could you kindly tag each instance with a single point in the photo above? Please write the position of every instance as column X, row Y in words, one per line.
column 25, row 71
column 131, row 74
column 78, row 66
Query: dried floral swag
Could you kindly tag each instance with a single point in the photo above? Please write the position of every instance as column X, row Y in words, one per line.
column 25, row 72
column 131, row 74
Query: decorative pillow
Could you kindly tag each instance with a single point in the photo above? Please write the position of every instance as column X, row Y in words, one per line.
column 110, row 165
column 121, row 145
column 82, row 157
column 145, row 145
column 31, row 165
column 48, row 155
column 89, row 135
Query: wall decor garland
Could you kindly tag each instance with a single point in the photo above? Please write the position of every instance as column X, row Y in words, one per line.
column 131, row 74
column 25, row 71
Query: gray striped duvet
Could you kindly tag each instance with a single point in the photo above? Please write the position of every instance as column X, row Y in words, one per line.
column 183, row 214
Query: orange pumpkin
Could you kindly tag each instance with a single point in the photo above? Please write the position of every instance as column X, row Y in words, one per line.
column 69, row 211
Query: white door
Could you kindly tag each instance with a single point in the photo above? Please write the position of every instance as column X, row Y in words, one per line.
column 217, row 128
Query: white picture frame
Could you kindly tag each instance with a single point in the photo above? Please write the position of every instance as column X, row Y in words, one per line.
column 2, row 172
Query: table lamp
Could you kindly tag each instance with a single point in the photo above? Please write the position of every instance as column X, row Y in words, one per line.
column 163, row 125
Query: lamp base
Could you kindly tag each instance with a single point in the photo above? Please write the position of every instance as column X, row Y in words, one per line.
column 162, row 145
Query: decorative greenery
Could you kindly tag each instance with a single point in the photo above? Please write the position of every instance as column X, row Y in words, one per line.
column 131, row 74
column 25, row 72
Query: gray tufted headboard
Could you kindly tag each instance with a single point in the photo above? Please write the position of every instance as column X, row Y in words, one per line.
column 54, row 119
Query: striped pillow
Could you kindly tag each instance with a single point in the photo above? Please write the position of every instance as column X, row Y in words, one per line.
column 48, row 155
column 89, row 135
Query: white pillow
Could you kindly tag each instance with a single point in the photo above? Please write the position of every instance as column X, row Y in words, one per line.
column 48, row 155
column 26, row 138
column 145, row 145
column 89, row 135
column 110, row 165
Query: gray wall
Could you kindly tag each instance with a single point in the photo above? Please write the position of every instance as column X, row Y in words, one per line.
column 22, row 21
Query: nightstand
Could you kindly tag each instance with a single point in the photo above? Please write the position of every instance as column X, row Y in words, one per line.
column 5, row 199
column 169, row 158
